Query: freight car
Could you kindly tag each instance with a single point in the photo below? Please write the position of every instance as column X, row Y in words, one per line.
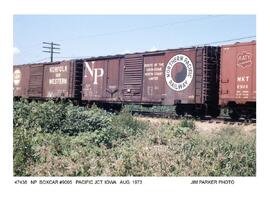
column 188, row 78
column 48, row 80
column 238, row 79
column 185, row 77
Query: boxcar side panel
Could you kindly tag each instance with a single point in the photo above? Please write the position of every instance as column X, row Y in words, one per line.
column 93, row 80
column 253, row 90
column 179, row 76
column 111, row 76
column 21, row 80
column 238, row 73
column 153, row 79
column 57, row 79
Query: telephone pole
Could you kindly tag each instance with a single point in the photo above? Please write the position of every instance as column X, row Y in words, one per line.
column 51, row 49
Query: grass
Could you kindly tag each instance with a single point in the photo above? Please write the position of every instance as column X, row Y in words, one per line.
column 120, row 145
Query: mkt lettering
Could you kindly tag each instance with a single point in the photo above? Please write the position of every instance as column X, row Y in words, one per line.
column 243, row 78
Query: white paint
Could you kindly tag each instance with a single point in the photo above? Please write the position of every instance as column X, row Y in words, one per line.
column 57, row 81
column 17, row 76
column 94, row 72
column 58, row 69
column 179, row 58
column 244, row 59
column 243, row 79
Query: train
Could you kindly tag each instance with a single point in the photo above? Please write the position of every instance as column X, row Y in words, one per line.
column 198, row 80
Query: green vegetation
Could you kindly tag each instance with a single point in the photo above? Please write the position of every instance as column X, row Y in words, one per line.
column 59, row 139
column 155, row 108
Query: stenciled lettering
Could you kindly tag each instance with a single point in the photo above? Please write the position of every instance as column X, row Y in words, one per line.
column 94, row 72
column 185, row 60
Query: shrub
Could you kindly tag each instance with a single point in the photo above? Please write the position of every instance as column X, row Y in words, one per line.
column 62, row 117
column 23, row 153
column 79, row 119
column 59, row 139
column 187, row 123
column 126, row 125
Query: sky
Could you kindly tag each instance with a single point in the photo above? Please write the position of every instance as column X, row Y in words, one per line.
column 100, row 35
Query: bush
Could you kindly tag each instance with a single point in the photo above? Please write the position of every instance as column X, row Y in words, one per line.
column 79, row 119
column 126, row 125
column 187, row 123
column 45, row 117
column 50, row 117
column 59, row 139
column 23, row 153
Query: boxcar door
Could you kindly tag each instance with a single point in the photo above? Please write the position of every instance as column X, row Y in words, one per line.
column 132, row 78
column 112, row 79
column 36, row 81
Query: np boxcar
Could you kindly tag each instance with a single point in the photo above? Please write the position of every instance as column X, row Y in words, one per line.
column 238, row 79
column 185, row 77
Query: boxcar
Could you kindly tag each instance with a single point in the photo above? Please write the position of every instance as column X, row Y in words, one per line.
column 185, row 77
column 20, row 80
column 48, row 80
column 238, row 79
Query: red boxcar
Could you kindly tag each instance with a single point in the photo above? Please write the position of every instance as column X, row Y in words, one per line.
column 186, row 77
column 48, row 80
column 238, row 79
column 21, row 80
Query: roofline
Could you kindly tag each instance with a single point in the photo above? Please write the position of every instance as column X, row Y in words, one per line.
column 240, row 43
column 137, row 53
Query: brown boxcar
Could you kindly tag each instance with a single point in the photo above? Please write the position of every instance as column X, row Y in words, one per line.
column 101, row 79
column 186, row 77
column 48, row 80
column 62, row 79
column 238, row 79
column 20, row 80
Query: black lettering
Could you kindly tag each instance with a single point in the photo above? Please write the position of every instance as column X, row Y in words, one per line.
column 124, row 182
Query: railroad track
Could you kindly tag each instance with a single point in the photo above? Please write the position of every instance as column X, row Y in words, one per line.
column 228, row 120
column 209, row 119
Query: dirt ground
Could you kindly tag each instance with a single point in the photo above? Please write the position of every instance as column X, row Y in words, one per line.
column 201, row 126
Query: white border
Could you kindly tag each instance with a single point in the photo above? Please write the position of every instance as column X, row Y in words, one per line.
column 155, row 192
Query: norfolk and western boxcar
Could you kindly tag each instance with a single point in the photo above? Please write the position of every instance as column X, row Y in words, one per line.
column 21, row 80
column 238, row 79
column 48, row 80
column 185, row 77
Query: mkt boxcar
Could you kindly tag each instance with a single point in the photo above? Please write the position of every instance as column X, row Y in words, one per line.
column 48, row 80
column 238, row 79
column 185, row 77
